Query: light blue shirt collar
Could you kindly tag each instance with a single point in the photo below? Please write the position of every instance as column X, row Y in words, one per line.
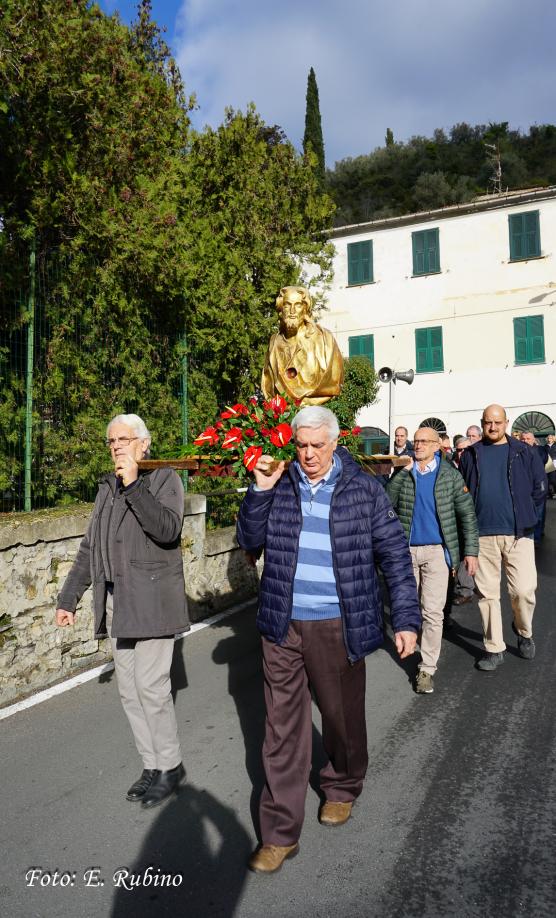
column 430, row 466
column 314, row 485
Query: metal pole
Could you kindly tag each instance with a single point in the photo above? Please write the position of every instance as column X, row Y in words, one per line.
column 184, row 412
column 29, row 380
column 390, row 415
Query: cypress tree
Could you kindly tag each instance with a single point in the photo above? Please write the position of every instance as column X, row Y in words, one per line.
column 312, row 138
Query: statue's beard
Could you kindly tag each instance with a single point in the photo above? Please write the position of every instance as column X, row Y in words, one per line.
column 291, row 326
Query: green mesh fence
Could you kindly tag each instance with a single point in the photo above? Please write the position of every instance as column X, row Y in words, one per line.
column 70, row 359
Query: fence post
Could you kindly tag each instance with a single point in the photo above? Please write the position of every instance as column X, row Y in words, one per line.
column 184, row 413
column 29, row 380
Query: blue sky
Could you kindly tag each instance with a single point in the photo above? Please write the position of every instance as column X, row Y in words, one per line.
column 411, row 65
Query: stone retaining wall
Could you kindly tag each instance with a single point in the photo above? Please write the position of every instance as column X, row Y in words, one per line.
column 36, row 553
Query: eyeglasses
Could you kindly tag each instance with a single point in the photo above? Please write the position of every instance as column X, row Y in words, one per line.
column 112, row 442
column 419, row 442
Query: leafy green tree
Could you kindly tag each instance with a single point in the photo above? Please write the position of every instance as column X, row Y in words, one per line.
column 360, row 389
column 312, row 138
column 448, row 168
column 256, row 212
column 144, row 232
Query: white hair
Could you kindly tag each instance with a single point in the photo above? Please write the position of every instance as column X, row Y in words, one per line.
column 316, row 416
column 136, row 424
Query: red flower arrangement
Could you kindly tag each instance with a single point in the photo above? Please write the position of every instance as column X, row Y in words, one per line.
column 249, row 431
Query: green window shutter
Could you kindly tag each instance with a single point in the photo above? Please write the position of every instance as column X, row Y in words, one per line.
column 421, row 350
column 429, row 356
column 529, row 340
column 433, row 250
column 532, row 234
column 520, row 340
column 525, row 237
column 418, row 241
column 360, row 262
column 435, row 342
column 535, row 339
column 426, row 251
column 362, row 346
column 516, row 236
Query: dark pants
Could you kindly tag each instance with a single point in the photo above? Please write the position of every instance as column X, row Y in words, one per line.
column 312, row 657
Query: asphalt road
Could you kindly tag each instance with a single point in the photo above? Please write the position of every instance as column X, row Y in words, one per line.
column 457, row 818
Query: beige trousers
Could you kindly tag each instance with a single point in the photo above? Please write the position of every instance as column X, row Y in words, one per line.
column 518, row 558
column 143, row 675
column 431, row 575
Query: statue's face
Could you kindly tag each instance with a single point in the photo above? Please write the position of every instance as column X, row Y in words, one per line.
column 293, row 312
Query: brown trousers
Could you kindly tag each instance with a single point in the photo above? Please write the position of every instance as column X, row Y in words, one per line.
column 313, row 657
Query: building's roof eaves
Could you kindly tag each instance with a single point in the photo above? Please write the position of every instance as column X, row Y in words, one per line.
column 482, row 203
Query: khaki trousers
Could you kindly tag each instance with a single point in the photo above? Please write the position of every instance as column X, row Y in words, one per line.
column 143, row 674
column 431, row 576
column 518, row 558
column 312, row 658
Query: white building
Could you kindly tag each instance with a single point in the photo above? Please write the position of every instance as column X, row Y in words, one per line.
column 466, row 297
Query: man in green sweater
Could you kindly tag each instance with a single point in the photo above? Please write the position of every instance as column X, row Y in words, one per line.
column 438, row 516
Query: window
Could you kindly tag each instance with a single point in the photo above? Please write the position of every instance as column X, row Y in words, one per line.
column 525, row 236
column 529, row 340
column 435, row 423
column 374, row 440
column 360, row 263
column 426, row 252
column 362, row 346
column 428, row 350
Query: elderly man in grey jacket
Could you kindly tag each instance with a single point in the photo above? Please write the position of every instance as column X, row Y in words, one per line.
column 131, row 554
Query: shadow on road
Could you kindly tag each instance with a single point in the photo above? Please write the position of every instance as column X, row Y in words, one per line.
column 198, row 851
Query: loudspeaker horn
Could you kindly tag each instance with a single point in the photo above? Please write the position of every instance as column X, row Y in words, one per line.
column 406, row 376
column 385, row 374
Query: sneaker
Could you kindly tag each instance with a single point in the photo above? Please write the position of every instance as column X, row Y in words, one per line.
column 525, row 645
column 489, row 661
column 423, row 683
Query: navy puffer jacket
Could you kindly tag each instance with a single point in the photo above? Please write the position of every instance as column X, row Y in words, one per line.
column 364, row 530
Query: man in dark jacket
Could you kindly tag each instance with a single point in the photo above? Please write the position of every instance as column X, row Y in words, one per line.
column 507, row 481
column 131, row 554
column 323, row 524
column 436, row 512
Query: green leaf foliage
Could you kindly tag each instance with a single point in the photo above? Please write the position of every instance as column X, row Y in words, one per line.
column 312, row 138
column 426, row 173
column 143, row 230
column 360, row 389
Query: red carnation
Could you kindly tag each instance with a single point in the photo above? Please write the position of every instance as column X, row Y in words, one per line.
column 232, row 438
column 344, row 433
column 281, row 435
column 251, row 457
column 249, row 432
column 356, row 431
column 208, row 438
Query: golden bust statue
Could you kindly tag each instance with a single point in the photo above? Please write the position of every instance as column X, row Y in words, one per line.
column 303, row 360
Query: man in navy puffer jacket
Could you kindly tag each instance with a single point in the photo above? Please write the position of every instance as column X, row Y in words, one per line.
column 323, row 525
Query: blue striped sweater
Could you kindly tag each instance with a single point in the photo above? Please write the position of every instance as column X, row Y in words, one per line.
column 315, row 595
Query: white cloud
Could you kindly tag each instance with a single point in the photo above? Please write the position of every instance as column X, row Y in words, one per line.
column 412, row 65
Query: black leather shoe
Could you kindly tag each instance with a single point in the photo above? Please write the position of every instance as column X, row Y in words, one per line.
column 164, row 784
column 140, row 788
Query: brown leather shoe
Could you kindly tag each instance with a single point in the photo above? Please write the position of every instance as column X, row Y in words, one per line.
column 269, row 858
column 334, row 813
